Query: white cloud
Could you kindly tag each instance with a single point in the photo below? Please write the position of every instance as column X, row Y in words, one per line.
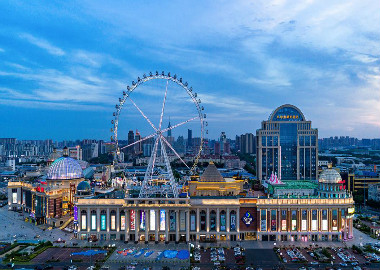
column 43, row 44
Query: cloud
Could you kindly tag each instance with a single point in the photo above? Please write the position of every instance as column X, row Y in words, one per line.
column 43, row 44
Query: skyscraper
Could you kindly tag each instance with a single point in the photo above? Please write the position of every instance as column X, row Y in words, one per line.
column 189, row 139
column 287, row 145
column 131, row 139
column 247, row 143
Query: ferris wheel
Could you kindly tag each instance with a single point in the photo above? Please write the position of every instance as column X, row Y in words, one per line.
column 160, row 183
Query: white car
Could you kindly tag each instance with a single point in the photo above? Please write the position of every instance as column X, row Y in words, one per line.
column 216, row 263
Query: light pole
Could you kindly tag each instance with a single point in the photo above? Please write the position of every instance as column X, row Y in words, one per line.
column 90, row 253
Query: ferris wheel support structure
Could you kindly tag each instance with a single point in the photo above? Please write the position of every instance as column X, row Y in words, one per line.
column 148, row 189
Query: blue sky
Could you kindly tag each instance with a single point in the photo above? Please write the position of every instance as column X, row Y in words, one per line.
column 63, row 65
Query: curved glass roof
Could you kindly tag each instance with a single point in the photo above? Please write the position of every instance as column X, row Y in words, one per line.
column 83, row 186
column 65, row 168
column 287, row 113
column 330, row 176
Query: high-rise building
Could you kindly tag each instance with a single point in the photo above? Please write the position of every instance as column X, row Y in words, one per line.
column 189, row 139
column 138, row 147
column 169, row 131
column 247, row 143
column 131, row 139
column 287, row 145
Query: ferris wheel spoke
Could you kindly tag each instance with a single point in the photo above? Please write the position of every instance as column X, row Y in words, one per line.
column 174, row 151
column 163, row 105
column 142, row 113
column 139, row 141
column 154, row 154
column 179, row 124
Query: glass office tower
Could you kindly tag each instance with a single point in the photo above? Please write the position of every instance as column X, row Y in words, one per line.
column 287, row 141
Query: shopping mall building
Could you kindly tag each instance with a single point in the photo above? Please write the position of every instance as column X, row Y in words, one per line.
column 324, row 215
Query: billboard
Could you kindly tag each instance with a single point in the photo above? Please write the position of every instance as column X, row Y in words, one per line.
column 14, row 197
column 273, row 221
column 75, row 213
column 324, row 220
column 162, row 220
column 172, row 221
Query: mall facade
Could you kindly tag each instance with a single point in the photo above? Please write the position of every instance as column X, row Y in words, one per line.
column 325, row 215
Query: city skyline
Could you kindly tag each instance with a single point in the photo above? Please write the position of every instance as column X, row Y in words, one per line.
column 62, row 75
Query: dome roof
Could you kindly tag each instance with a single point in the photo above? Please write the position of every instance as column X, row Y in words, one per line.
column 65, row 168
column 84, row 186
column 330, row 176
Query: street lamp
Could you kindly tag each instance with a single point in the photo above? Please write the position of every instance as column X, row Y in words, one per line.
column 90, row 253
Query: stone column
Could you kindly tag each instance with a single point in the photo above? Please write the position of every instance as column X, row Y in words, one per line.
column 238, row 223
column 217, row 220
column 208, row 220
column 108, row 222
column 157, row 225
column 118, row 220
column 127, row 225
column 137, row 225
column 228, row 225
column 88, row 223
column 187, row 226
column 198, row 221
column 147, row 223
column 177, row 225
column 167, row 224
column 98, row 220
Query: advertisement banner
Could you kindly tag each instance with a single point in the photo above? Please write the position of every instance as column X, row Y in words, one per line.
column 182, row 221
column 273, row 220
column 162, row 220
column 223, row 222
column 14, row 197
column 233, row 222
column 122, row 222
column 283, row 225
column 103, row 222
column 132, row 220
column 75, row 213
column 152, row 220
column 263, row 222
column 324, row 225
column 83, row 222
column 192, row 223
column 142, row 220
column 93, row 222
column 113, row 222
column 294, row 225
column 313, row 225
column 172, row 221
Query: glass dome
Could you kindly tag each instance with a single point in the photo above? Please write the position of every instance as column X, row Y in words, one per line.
column 330, row 176
column 83, row 186
column 65, row 168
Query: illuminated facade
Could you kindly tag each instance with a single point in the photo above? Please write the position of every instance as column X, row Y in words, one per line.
column 219, row 218
column 287, row 145
column 48, row 201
